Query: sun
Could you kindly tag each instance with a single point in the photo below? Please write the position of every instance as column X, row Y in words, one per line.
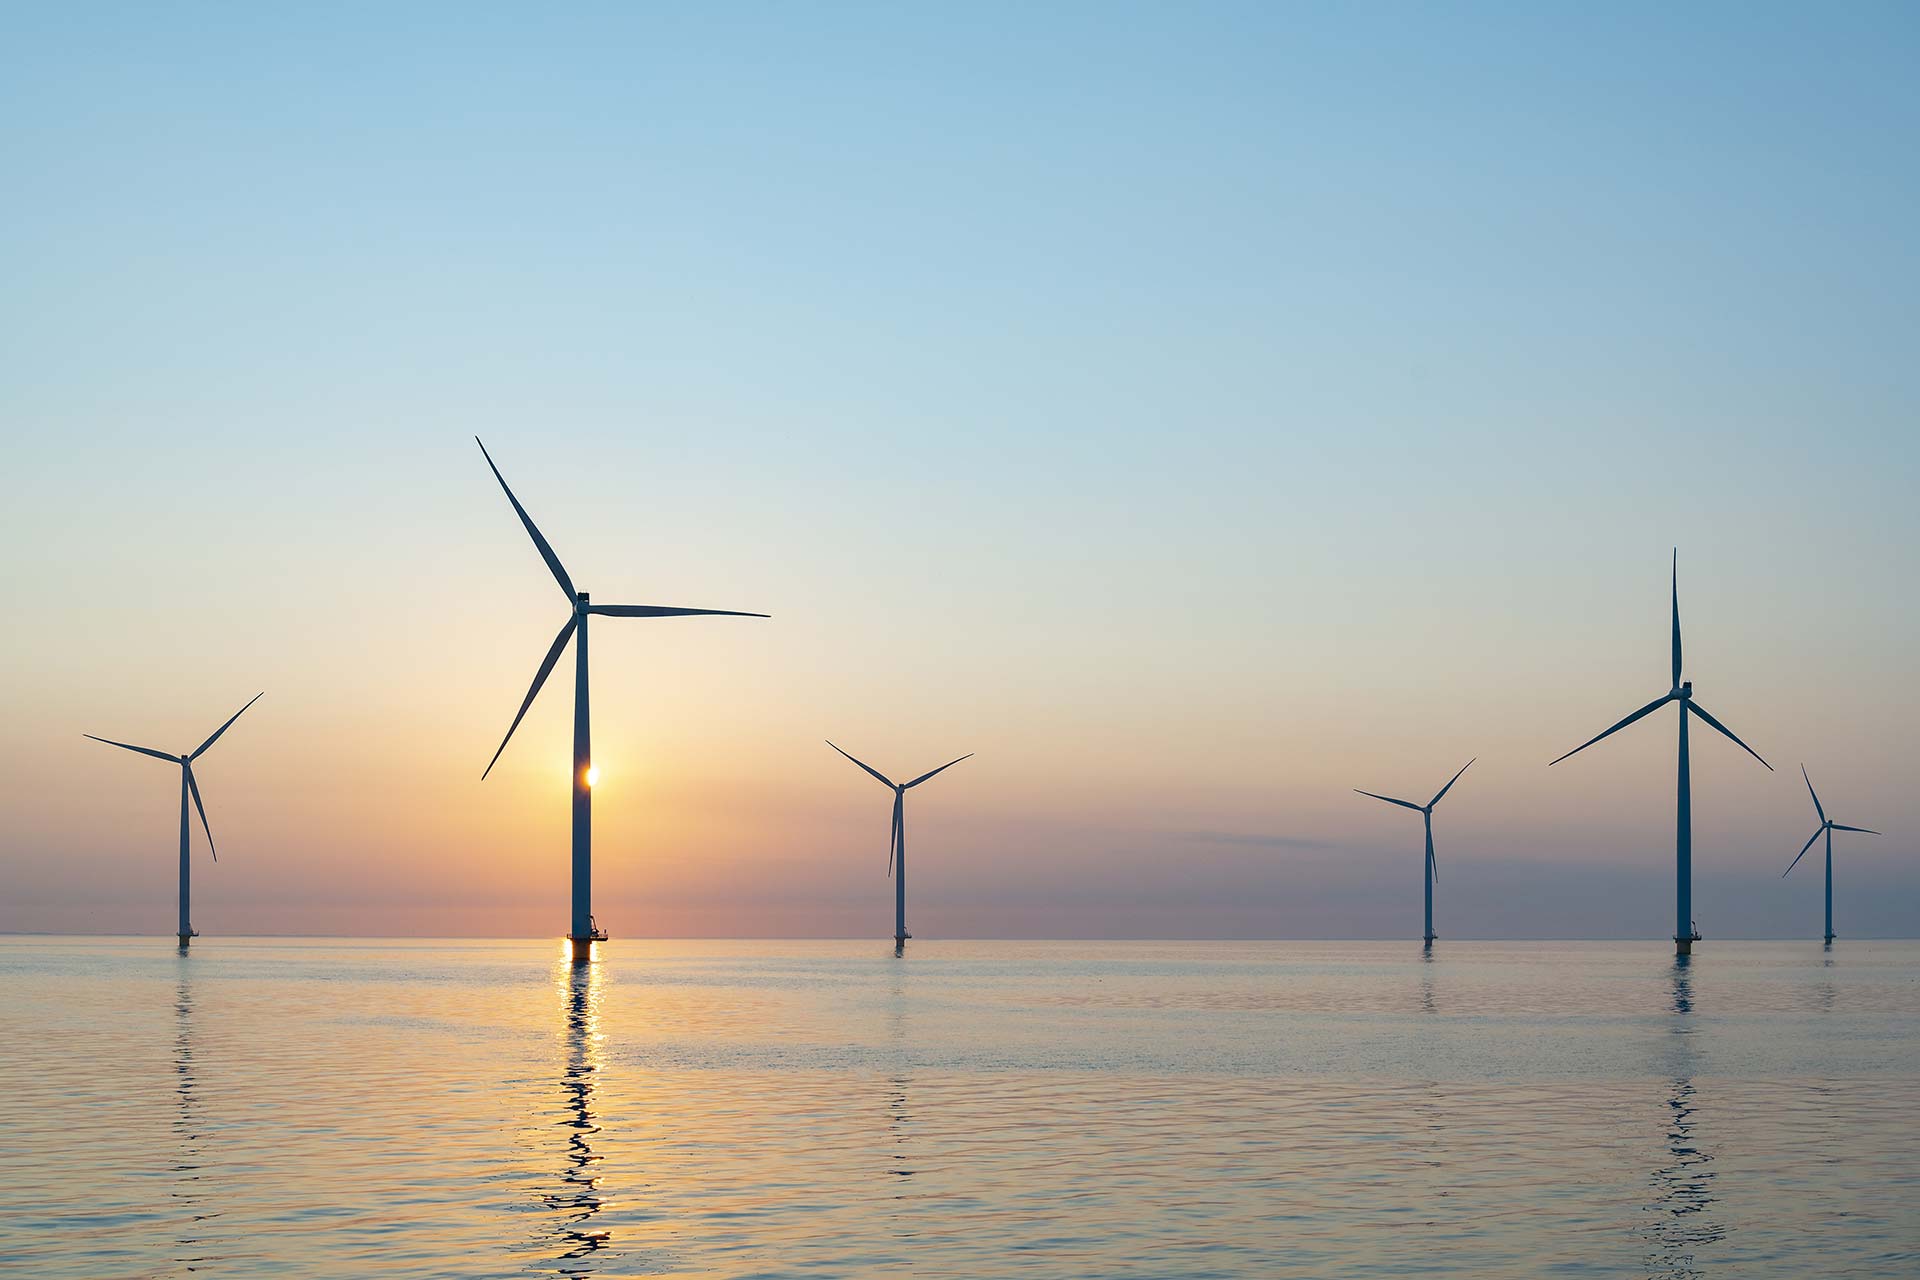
column 593, row 774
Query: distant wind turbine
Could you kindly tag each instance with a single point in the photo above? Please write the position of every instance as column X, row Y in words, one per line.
column 897, row 842
column 187, row 787
column 1684, row 934
column 584, row 931
column 1426, row 813
column 1827, row 827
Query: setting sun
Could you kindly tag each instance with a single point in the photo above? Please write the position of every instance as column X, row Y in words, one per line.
column 593, row 774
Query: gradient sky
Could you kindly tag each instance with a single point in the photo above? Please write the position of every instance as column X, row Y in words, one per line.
column 1196, row 414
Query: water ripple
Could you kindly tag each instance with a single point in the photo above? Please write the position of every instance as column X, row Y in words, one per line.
column 1051, row 1110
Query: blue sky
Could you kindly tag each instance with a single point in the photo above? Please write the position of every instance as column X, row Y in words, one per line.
column 1196, row 413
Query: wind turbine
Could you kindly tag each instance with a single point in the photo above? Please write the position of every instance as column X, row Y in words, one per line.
column 897, row 842
column 187, row 787
column 1684, row 934
column 583, row 930
column 1426, row 812
column 1827, row 827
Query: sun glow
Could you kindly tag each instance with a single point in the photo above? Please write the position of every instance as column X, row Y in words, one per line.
column 593, row 774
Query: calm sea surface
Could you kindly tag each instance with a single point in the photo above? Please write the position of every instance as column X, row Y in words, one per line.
column 708, row 1109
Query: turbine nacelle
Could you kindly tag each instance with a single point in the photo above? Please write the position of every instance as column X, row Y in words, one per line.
column 1683, row 690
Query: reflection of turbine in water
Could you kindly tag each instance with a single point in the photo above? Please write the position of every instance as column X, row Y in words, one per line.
column 579, row 1200
column 1682, row 996
column 1683, row 1186
column 1824, row 993
column 186, row 1128
column 899, row 1123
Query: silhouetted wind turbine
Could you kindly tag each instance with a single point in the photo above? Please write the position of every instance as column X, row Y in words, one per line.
column 583, row 930
column 897, row 841
column 1684, row 934
column 1827, row 827
column 1426, row 813
column 187, row 787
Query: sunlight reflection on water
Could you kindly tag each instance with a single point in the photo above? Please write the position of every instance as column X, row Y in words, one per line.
column 319, row 1108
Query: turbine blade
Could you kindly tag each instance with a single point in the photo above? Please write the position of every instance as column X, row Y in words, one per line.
column 540, row 678
column 1649, row 709
column 948, row 765
column 884, row 779
column 1862, row 830
column 546, row 552
column 1450, row 781
column 1404, row 804
column 202, row 749
column 1701, row 711
column 893, row 839
column 1676, row 617
column 194, row 787
column 1816, row 799
column 145, row 751
column 660, row 611
column 1803, row 851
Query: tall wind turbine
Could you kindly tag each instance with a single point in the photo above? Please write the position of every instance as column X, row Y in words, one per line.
column 1426, row 812
column 897, row 842
column 1684, row 934
column 583, row 931
column 1827, row 827
column 188, row 787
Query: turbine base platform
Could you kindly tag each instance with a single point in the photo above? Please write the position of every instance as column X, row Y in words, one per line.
column 1684, row 946
column 186, row 938
column 580, row 950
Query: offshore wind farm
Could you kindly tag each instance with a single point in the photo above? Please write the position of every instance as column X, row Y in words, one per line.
column 1429, row 868
column 1826, row 828
column 1188, row 413
column 186, row 933
column 897, row 839
column 582, row 930
column 1685, row 934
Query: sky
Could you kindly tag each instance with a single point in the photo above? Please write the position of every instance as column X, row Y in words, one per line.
column 1197, row 412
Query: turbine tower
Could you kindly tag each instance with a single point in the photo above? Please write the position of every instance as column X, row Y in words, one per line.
column 1827, row 827
column 897, row 842
column 1684, row 934
column 1426, row 812
column 188, row 787
column 583, row 932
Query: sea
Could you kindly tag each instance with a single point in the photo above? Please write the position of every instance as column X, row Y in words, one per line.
column 294, row 1107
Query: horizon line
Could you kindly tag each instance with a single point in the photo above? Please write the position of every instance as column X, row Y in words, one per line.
column 718, row 937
